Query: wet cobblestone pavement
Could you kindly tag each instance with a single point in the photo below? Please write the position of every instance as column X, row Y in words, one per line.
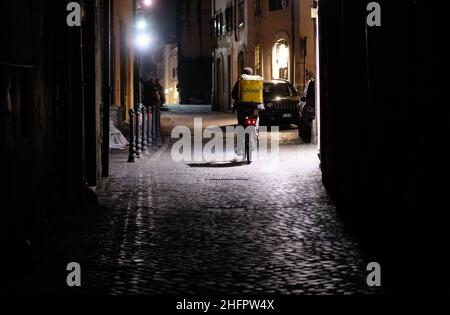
column 170, row 228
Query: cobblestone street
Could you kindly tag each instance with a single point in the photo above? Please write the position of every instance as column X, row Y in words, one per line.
column 172, row 228
column 223, row 155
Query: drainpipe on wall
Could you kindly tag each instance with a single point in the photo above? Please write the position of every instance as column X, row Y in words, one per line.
column 236, row 27
column 293, row 42
column 213, row 92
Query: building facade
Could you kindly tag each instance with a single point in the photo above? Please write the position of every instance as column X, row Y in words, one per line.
column 129, row 63
column 123, row 58
column 275, row 37
column 54, row 91
column 195, row 43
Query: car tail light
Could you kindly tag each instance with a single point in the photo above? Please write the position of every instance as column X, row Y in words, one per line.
column 249, row 121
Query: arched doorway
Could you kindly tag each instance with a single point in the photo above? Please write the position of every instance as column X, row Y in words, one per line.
column 280, row 60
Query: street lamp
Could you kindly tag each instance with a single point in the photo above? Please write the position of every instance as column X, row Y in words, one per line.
column 141, row 24
column 142, row 41
column 148, row 3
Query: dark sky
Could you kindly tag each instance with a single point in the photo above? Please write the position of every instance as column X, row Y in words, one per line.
column 166, row 18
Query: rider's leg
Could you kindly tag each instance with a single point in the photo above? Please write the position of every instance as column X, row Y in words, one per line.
column 256, row 113
column 240, row 142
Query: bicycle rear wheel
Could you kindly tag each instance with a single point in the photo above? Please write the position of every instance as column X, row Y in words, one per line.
column 248, row 151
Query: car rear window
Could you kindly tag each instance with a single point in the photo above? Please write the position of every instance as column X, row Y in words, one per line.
column 278, row 90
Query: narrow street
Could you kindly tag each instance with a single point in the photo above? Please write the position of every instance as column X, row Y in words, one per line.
column 348, row 200
column 169, row 228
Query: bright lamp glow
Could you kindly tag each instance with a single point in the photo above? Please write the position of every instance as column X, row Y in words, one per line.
column 141, row 24
column 148, row 3
column 283, row 56
column 143, row 41
column 280, row 63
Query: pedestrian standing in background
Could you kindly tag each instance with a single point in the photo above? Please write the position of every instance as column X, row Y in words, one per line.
column 161, row 91
column 149, row 92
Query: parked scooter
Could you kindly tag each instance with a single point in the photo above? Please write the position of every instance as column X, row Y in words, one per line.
column 307, row 112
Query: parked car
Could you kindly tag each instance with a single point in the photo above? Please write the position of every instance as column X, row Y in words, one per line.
column 307, row 112
column 282, row 103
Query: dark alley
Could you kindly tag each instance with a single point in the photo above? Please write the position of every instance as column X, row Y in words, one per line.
column 223, row 148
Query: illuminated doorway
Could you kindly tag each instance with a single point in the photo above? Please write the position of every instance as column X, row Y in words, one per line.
column 280, row 62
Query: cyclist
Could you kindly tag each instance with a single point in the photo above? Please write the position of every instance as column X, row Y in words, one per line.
column 247, row 105
column 248, row 101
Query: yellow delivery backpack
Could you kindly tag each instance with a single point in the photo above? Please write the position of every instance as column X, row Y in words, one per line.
column 251, row 89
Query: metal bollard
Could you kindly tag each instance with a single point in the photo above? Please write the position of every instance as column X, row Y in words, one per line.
column 144, row 130
column 132, row 149
column 149, row 127
column 138, row 133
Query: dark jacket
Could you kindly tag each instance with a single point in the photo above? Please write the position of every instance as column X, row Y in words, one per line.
column 235, row 93
column 149, row 93
column 162, row 93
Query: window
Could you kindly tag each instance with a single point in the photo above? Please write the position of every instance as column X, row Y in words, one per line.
column 241, row 62
column 219, row 25
column 222, row 24
column 275, row 5
column 258, row 58
column 258, row 8
column 241, row 13
column 229, row 19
